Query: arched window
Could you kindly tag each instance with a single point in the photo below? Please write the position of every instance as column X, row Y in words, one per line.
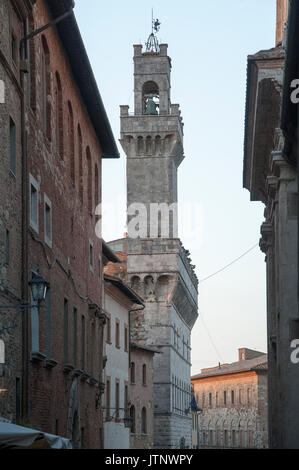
column 71, row 141
column 144, row 378
column 158, row 147
column 46, row 88
column 150, row 98
column 132, row 416
column 135, row 284
column 148, row 145
column 140, row 145
column 143, row 421
column 89, row 180
column 132, row 372
column 80, row 163
column 59, row 117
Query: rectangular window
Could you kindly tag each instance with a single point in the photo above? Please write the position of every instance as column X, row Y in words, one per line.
column 91, row 257
column 48, row 220
column 14, row 49
column 12, row 146
column 75, row 336
column 126, row 399
column 126, row 338
column 66, row 331
column 48, row 323
column 224, row 398
column 117, row 329
column 233, row 438
column 210, row 399
column 83, row 342
column 34, row 206
column 7, row 246
column 217, row 399
column 116, row 399
column 44, row 93
column 92, row 346
column 108, row 391
column 233, row 397
column 108, row 329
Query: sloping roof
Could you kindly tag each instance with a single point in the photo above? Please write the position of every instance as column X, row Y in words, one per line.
column 257, row 363
column 109, row 253
column 72, row 42
column 122, row 286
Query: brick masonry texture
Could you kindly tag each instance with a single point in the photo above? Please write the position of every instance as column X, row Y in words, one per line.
column 69, row 176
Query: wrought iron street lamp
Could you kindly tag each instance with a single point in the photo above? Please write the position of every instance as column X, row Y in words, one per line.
column 38, row 287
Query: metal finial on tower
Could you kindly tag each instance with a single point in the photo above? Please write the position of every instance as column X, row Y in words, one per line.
column 152, row 44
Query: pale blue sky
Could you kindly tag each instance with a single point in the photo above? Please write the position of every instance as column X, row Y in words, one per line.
column 208, row 42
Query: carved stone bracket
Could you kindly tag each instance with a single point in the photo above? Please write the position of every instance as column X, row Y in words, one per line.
column 272, row 186
column 266, row 241
column 97, row 312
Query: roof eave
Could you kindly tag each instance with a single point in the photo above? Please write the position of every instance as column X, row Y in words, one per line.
column 72, row 42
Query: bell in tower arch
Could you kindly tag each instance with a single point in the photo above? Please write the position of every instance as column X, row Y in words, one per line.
column 150, row 105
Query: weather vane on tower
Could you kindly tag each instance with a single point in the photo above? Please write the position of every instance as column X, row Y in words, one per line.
column 152, row 44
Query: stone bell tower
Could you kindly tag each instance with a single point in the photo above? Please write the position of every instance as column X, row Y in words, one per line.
column 158, row 266
column 153, row 138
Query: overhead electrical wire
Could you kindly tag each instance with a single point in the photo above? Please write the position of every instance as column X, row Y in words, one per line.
column 230, row 264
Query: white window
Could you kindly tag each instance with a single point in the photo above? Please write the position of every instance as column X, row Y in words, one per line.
column 34, row 202
column 48, row 220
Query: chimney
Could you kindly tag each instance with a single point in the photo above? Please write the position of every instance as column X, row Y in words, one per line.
column 281, row 19
column 246, row 354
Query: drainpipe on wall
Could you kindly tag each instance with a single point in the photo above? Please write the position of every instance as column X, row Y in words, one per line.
column 24, row 281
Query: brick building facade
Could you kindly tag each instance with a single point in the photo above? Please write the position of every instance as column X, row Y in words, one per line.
column 233, row 398
column 12, row 207
column 58, row 130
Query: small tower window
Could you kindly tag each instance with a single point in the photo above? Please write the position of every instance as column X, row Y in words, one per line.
column 151, row 98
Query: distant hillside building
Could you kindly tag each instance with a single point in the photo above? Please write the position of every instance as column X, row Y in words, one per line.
column 233, row 398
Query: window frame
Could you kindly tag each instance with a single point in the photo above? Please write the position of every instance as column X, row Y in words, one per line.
column 12, row 147
column 33, row 183
column 48, row 203
column 91, row 256
column 117, row 333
